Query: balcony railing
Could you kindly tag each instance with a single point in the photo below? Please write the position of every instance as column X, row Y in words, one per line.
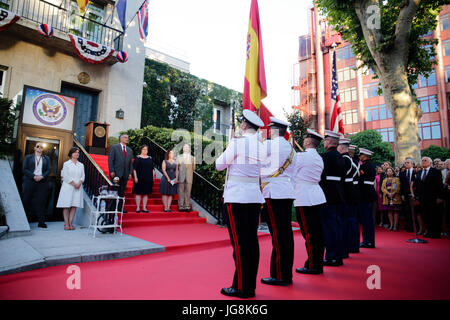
column 65, row 19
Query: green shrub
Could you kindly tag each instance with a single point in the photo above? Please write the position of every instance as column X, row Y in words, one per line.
column 436, row 152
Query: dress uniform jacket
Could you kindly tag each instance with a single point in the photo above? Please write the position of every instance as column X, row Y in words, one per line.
column 331, row 179
column 308, row 168
column 351, row 171
column 280, row 187
column 367, row 181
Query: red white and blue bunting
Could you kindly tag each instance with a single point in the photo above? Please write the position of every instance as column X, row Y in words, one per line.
column 46, row 30
column 89, row 51
column 122, row 56
column 7, row 19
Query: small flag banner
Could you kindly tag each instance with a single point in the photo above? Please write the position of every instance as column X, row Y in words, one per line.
column 82, row 5
column 143, row 20
column 90, row 52
column 7, row 19
column 122, row 56
column 45, row 30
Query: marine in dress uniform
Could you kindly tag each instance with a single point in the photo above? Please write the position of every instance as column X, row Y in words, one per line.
column 368, row 196
column 354, row 236
column 242, row 195
column 278, row 192
column 331, row 184
column 350, row 213
column 309, row 198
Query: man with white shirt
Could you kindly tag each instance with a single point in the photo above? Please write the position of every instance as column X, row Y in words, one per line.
column 36, row 168
column 406, row 177
column 242, row 200
column 309, row 198
column 278, row 192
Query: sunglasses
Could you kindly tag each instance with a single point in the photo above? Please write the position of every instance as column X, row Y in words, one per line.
column 40, row 147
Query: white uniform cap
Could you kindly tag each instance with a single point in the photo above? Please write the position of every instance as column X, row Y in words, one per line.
column 365, row 151
column 344, row 141
column 277, row 122
column 352, row 147
column 312, row 134
column 331, row 134
column 251, row 117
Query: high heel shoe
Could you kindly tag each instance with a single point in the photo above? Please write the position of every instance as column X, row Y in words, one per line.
column 390, row 228
column 394, row 229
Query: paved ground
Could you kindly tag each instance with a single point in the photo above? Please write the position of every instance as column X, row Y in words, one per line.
column 56, row 246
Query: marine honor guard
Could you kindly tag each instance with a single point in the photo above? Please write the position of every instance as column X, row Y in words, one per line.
column 278, row 192
column 331, row 184
column 350, row 213
column 367, row 198
column 242, row 195
column 309, row 198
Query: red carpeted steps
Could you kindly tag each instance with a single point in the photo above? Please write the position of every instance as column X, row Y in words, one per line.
column 156, row 216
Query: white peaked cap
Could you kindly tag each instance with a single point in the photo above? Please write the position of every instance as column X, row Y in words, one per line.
column 332, row 134
column 365, row 151
column 312, row 134
column 344, row 141
column 277, row 122
column 251, row 117
column 352, row 147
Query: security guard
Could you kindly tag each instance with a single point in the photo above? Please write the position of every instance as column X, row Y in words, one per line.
column 368, row 196
column 350, row 218
column 242, row 195
column 331, row 184
column 309, row 198
column 278, row 192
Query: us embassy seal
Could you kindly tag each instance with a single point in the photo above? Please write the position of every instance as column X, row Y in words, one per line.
column 49, row 109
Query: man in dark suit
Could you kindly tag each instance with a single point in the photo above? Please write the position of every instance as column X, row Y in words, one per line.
column 368, row 196
column 429, row 192
column 332, row 185
column 36, row 168
column 120, row 164
column 407, row 177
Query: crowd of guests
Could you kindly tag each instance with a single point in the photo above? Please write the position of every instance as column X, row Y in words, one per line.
column 414, row 190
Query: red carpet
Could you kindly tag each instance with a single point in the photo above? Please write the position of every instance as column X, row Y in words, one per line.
column 408, row 271
column 198, row 263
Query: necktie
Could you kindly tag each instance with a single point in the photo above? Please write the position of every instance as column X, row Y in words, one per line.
column 424, row 174
column 124, row 151
column 408, row 175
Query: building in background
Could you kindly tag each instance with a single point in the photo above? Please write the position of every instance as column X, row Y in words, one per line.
column 171, row 60
column 363, row 109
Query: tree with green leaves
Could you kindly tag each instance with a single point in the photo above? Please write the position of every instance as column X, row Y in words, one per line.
column 387, row 36
column 372, row 140
column 297, row 126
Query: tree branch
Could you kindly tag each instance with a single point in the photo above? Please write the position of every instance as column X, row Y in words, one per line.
column 404, row 23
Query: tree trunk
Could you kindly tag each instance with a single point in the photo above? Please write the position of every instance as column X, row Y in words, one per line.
column 405, row 115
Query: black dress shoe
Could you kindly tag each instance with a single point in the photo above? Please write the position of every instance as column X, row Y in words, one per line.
column 42, row 225
column 232, row 292
column 333, row 263
column 138, row 211
column 125, row 211
column 308, row 271
column 276, row 282
column 146, row 211
column 367, row 245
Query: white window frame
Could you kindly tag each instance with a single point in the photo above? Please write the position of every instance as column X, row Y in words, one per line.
column 4, row 72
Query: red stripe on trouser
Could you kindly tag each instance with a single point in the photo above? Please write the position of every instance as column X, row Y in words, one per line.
column 307, row 238
column 236, row 246
column 275, row 239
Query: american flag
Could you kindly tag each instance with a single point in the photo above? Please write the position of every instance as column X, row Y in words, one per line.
column 143, row 19
column 337, row 124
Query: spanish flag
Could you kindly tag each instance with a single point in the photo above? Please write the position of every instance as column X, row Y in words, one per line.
column 255, row 77
column 82, row 4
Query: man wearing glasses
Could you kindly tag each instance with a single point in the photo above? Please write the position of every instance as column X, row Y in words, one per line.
column 36, row 168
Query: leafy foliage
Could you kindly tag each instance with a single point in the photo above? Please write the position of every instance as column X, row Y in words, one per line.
column 175, row 99
column 436, row 152
column 297, row 126
column 8, row 116
column 372, row 140
column 343, row 17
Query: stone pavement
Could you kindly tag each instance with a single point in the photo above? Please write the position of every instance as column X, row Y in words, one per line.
column 56, row 246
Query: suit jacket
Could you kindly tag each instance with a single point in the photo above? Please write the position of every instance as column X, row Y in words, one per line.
column 405, row 189
column 29, row 166
column 117, row 163
column 333, row 167
column 429, row 190
column 185, row 170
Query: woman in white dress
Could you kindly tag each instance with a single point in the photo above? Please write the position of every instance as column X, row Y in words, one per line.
column 71, row 194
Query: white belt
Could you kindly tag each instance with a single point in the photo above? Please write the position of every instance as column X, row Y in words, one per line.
column 355, row 182
column 243, row 179
column 369, row 182
column 272, row 179
column 349, row 180
column 332, row 178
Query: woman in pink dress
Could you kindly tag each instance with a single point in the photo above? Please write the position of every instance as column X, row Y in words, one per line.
column 379, row 195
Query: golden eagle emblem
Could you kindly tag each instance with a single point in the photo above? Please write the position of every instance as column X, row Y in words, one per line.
column 50, row 111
